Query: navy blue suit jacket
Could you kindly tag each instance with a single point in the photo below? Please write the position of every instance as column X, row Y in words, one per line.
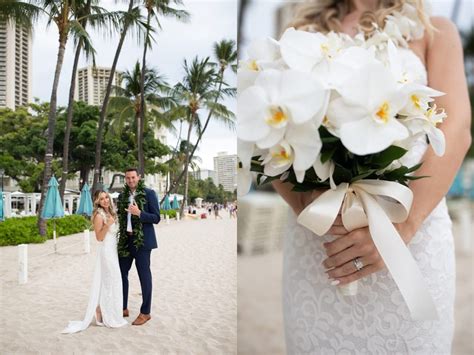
column 149, row 216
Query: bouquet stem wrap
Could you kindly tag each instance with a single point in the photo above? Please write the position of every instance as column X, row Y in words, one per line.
column 378, row 204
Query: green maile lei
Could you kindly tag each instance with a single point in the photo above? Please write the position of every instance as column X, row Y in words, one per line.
column 122, row 205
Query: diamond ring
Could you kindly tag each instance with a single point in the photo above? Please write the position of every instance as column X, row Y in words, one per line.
column 358, row 264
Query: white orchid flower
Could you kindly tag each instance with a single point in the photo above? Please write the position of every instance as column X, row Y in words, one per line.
column 365, row 114
column 349, row 61
column 245, row 152
column 306, row 144
column 402, row 61
column 312, row 52
column 325, row 171
column 278, row 99
column 419, row 99
column 298, row 149
column 263, row 54
column 279, row 159
column 428, row 124
column 302, row 50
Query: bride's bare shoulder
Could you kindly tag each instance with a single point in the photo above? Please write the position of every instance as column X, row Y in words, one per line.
column 445, row 39
column 445, row 31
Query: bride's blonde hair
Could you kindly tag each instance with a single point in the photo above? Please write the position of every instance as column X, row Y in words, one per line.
column 97, row 207
column 326, row 15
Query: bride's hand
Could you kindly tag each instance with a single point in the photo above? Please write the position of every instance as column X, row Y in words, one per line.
column 344, row 249
column 356, row 244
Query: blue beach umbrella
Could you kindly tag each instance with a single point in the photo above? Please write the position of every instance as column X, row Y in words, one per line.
column 175, row 204
column 85, row 201
column 2, row 216
column 166, row 203
column 53, row 207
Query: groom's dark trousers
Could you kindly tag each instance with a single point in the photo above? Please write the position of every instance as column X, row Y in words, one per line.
column 149, row 216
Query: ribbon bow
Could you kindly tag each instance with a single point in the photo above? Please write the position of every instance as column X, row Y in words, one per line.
column 378, row 204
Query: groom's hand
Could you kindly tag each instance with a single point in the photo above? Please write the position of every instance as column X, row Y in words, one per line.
column 133, row 209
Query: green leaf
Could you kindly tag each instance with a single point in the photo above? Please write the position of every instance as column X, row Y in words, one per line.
column 326, row 155
column 363, row 175
column 387, row 156
column 341, row 174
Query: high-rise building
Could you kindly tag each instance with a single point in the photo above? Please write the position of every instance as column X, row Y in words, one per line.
column 225, row 166
column 204, row 174
column 91, row 84
column 15, row 65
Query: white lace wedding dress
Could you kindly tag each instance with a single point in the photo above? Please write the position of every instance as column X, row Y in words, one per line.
column 319, row 320
column 106, row 290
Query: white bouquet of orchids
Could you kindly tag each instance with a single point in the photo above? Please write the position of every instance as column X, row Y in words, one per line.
column 329, row 111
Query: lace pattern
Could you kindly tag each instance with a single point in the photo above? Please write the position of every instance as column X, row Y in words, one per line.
column 318, row 319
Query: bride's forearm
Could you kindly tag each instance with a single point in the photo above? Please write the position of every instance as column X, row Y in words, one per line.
column 294, row 199
column 428, row 192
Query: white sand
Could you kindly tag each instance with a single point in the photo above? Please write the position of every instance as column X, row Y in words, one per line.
column 194, row 306
column 260, row 318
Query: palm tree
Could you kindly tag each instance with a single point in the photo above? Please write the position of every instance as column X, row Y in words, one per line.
column 177, row 162
column 82, row 13
column 196, row 92
column 125, row 109
column 155, row 9
column 64, row 15
column 226, row 56
column 130, row 20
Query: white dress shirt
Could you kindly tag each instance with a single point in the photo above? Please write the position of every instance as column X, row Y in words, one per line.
column 129, row 215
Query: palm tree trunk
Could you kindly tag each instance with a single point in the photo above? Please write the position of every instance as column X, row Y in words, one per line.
column 175, row 183
column 141, row 122
column 48, row 158
column 103, row 111
column 70, row 109
column 186, row 166
column 243, row 4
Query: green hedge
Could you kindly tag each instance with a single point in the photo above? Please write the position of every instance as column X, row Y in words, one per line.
column 14, row 231
column 171, row 213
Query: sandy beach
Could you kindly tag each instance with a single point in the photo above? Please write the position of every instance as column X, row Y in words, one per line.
column 194, row 307
column 260, row 318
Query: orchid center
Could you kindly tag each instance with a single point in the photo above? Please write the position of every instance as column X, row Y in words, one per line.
column 326, row 123
column 383, row 112
column 252, row 65
column 281, row 155
column 433, row 118
column 416, row 101
column 277, row 118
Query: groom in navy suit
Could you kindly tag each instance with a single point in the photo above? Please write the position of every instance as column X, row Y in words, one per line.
column 148, row 216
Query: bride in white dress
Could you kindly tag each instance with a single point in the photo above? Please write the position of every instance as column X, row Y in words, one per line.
column 105, row 298
column 318, row 318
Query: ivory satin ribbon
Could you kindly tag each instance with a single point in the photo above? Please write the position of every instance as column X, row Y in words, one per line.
column 378, row 204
